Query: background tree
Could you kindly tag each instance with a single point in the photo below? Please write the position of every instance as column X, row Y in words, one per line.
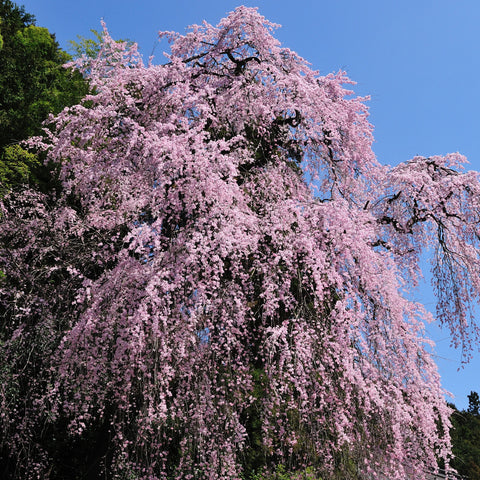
column 89, row 48
column 190, row 306
column 466, row 440
column 33, row 84
column 473, row 404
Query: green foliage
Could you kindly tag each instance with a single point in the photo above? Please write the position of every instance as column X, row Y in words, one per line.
column 474, row 404
column 13, row 17
column 33, row 84
column 16, row 166
column 281, row 473
column 84, row 46
column 90, row 47
column 466, row 441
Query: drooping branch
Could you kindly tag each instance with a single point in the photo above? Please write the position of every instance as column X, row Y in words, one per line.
column 435, row 201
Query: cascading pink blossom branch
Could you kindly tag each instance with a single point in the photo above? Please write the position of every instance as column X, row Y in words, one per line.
column 192, row 298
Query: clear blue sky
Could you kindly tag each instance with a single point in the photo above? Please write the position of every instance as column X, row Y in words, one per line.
column 418, row 60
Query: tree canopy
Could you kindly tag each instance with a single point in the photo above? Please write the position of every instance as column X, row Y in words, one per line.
column 222, row 284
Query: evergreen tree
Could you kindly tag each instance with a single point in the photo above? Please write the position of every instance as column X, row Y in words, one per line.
column 466, row 439
column 473, row 404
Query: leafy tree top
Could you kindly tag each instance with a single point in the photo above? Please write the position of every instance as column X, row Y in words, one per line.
column 85, row 47
column 14, row 17
column 474, row 404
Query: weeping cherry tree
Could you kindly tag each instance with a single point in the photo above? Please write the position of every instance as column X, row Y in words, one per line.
column 223, row 282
